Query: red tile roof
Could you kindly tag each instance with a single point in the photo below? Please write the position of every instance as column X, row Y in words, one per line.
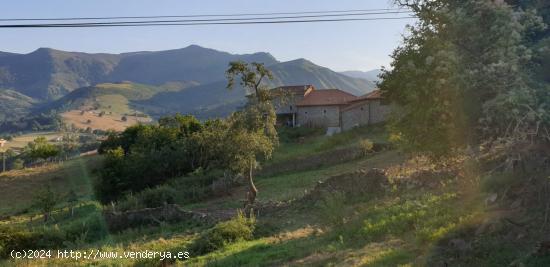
column 326, row 97
column 295, row 89
column 376, row 94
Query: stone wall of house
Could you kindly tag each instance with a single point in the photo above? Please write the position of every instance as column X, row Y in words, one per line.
column 365, row 113
column 319, row 116
column 355, row 116
column 286, row 104
column 379, row 111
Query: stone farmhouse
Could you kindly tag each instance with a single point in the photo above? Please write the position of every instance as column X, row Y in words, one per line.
column 333, row 109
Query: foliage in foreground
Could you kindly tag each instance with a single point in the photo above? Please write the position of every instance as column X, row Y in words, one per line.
column 237, row 229
column 468, row 74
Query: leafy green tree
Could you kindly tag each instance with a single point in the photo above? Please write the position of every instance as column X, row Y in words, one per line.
column 463, row 77
column 252, row 133
column 69, row 144
column 40, row 148
column 45, row 200
column 111, row 183
column 147, row 155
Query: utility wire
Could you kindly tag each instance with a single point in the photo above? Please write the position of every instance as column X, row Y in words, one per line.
column 198, row 16
column 77, row 25
column 230, row 19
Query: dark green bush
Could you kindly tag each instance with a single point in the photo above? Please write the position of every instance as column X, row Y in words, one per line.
column 158, row 196
column 20, row 239
column 90, row 229
column 181, row 190
column 499, row 181
column 224, row 233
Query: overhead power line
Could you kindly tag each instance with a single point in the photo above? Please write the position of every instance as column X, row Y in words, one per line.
column 231, row 19
column 203, row 15
column 80, row 25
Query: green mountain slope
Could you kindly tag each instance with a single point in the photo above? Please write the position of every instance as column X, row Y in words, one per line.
column 112, row 97
column 193, row 63
column 49, row 74
column 302, row 71
column 371, row 75
column 214, row 100
column 14, row 104
column 67, row 80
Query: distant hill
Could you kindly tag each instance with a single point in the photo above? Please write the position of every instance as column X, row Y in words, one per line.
column 14, row 104
column 103, row 106
column 50, row 74
column 302, row 71
column 371, row 76
column 214, row 100
column 113, row 98
column 193, row 63
column 190, row 80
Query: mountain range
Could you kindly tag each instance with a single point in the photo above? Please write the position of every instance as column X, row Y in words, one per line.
column 371, row 75
column 188, row 80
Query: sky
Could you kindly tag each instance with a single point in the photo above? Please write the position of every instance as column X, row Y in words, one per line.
column 358, row 45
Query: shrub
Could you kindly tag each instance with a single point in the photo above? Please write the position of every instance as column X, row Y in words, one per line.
column 333, row 209
column 18, row 164
column 366, row 146
column 90, row 229
column 224, row 233
column 20, row 239
column 499, row 181
column 158, row 196
column 182, row 190
column 45, row 200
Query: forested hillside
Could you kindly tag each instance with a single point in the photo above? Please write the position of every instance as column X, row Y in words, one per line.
column 53, row 79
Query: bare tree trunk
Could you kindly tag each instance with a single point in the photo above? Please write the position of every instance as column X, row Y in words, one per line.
column 252, row 191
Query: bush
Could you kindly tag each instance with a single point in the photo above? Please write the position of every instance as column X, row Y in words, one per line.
column 182, row 190
column 90, row 229
column 20, row 239
column 18, row 164
column 224, row 233
column 158, row 196
column 499, row 181
column 366, row 146
column 333, row 209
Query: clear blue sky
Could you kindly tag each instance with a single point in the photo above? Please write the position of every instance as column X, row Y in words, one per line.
column 340, row 46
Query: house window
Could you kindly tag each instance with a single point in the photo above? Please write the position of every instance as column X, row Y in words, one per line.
column 290, row 107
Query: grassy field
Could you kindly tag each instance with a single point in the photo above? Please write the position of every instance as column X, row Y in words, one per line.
column 421, row 221
column 106, row 122
column 18, row 187
column 21, row 141
column 317, row 142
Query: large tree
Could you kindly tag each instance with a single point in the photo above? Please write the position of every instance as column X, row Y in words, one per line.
column 464, row 76
column 252, row 133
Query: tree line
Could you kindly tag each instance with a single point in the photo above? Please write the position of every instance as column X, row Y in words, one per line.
column 144, row 156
